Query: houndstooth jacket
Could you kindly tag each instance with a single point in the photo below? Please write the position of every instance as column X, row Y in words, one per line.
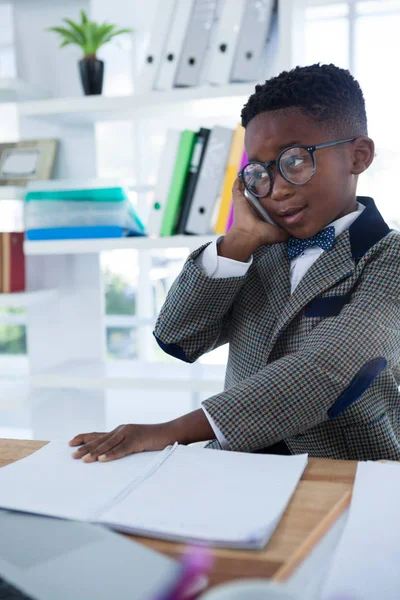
column 319, row 369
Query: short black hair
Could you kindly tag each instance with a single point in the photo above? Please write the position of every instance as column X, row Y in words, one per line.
column 325, row 93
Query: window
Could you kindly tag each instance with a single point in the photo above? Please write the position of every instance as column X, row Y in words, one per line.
column 377, row 46
column 327, row 34
column 366, row 39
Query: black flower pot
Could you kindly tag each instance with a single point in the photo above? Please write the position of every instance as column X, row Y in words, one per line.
column 92, row 74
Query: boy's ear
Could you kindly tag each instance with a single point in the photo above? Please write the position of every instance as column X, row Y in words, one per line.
column 363, row 152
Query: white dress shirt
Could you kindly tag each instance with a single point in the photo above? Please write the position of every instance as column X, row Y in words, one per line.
column 220, row 267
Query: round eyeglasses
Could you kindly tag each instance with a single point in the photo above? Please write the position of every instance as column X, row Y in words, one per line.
column 295, row 164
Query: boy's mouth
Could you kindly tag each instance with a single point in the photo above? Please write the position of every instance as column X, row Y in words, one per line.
column 292, row 215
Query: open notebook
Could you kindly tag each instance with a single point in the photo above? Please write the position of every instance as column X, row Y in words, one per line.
column 227, row 499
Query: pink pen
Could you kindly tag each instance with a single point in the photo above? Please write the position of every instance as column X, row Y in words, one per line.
column 195, row 565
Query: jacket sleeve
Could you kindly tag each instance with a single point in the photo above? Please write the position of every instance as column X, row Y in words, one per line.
column 339, row 360
column 195, row 317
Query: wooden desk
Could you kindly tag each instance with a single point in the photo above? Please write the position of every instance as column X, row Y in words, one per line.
column 323, row 484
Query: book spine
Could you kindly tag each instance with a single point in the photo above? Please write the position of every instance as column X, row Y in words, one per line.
column 1, row 263
column 193, row 175
column 16, row 262
column 202, row 210
column 178, row 182
column 164, row 179
column 5, row 256
column 231, row 172
column 243, row 162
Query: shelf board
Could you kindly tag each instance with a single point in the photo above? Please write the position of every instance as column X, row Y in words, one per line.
column 82, row 110
column 94, row 246
column 13, row 89
column 133, row 374
column 24, row 299
column 12, row 192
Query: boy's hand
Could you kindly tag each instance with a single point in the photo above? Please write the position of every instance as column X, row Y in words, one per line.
column 124, row 440
column 248, row 231
column 130, row 439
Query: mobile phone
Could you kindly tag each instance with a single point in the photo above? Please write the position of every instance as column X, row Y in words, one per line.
column 260, row 210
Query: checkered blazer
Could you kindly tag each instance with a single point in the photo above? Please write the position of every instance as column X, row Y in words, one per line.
column 318, row 369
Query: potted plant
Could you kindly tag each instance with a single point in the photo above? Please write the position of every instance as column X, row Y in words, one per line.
column 90, row 36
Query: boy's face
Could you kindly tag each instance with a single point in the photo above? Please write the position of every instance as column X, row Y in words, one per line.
column 330, row 193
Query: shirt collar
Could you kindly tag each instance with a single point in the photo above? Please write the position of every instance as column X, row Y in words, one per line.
column 366, row 227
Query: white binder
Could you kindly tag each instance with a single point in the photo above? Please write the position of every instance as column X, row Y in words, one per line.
column 172, row 50
column 210, row 180
column 158, row 38
column 164, row 178
column 252, row 38
column 225, row 41
column 196, row 42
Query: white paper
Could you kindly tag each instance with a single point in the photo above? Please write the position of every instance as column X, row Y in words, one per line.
column 366, row 564
column 183, row 493
column 50, row 482
column 225, row 498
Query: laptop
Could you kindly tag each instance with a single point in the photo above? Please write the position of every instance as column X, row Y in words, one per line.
column 42, row 558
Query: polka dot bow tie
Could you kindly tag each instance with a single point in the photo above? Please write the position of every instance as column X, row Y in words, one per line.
column 324, row 239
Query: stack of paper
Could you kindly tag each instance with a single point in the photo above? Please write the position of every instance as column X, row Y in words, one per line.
column 366, row 564
column 182, row 493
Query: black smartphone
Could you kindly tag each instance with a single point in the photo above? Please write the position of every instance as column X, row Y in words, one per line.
column 256, row 204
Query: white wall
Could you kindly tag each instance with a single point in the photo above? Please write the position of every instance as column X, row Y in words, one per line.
column 39, row 59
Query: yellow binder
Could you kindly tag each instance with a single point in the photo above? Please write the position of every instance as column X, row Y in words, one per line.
column 231, row 172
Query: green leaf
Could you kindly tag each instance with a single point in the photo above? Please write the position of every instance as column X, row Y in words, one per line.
column 112, row 34
column 84, row 17
column 122, row 31
column 76, row 28
column 71, row 36
column 90, row 35
column 103, row 33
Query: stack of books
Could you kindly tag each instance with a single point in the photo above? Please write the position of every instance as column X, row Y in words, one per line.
column 197, row 170
column 60, row 209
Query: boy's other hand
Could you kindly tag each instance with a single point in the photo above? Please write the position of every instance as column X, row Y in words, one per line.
column 124, row 440
column 130, row 439
column 248, row 231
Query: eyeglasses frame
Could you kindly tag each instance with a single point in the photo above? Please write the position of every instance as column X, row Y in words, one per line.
column 267, row 165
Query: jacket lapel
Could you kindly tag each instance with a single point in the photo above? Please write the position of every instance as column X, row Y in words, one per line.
column 331, row 267
column 274, row 271
column 328, row 269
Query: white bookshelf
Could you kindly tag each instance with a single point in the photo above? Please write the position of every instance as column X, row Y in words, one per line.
column 12, row 192
column 95, row 246
column 114, row 374
column 66, row 316
column 83, row 110
column 25, row 299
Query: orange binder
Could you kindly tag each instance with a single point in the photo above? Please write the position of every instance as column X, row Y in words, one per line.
column 235, row 156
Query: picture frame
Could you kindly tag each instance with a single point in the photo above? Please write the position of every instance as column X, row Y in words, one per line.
column 28, row 160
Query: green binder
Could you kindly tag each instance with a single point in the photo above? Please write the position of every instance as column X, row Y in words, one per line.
column 175, row 195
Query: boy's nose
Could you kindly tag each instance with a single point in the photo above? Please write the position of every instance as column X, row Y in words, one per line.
column 281, row 189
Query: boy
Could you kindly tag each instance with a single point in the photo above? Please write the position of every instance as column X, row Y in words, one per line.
column 310, row 307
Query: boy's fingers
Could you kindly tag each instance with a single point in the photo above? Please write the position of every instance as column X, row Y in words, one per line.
column 119, row 451
column 237, row 184
column 83, row 438
column 101, row 448
column 89, row 446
